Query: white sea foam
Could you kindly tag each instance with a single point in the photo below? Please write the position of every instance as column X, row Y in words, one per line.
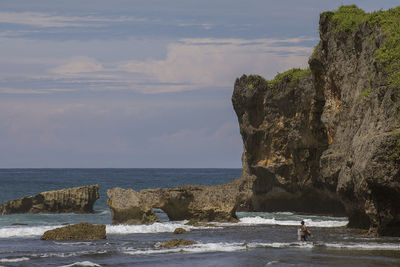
column 152, row 228
column 7, row 260
column 32, row 231
column 68, row 254
column 232, row 247
column 196, row 248
column 103, row 212
column 364, row 246
column 73, row 243
column 24, row 231
column 215, row 247
column 313, row 223
column 83, row 263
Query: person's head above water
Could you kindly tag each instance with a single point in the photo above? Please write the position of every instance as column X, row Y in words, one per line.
column 302, row 222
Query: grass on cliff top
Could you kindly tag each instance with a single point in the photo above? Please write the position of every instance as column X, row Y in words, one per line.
column 389, row 54
column 292, row 77
column 348, row 18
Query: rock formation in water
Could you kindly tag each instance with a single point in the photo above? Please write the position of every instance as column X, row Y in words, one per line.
column 327, row 139
column 179, row 231
column 173, row 243
column 196, row 202
column 80, row 231
column 76, row 200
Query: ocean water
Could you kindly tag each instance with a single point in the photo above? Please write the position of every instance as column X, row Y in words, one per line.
column 258, row 239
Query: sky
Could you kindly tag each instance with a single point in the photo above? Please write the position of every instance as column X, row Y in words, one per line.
column 141, row 84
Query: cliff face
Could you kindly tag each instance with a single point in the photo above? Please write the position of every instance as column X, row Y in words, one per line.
column 76, row 199
column 325, row 140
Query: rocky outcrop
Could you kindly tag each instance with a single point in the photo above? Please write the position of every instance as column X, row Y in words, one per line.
column 173, row 243
column 200, row 203
column 326, row 140
column 361, row 120
column 80, row 231
column 76, row 200
column 179, row 231
column 283, row 140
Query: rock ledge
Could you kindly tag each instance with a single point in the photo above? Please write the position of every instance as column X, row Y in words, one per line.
column 75, row 200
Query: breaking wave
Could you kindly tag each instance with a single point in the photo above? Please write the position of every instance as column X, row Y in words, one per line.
column 11, row 260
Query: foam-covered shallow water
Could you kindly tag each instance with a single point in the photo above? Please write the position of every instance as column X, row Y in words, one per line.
column 258, row 239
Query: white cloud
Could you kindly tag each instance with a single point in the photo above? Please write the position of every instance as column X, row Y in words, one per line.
column 199, row 63
column 189, row 64
column 50, row 20
column 78, row 66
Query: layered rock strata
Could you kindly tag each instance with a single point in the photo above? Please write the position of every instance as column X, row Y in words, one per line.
column 326, row 140
column 200, row 203
column 80, row 231
column 75, row 200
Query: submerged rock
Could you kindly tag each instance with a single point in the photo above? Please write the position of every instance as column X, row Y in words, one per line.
column 80, row 231
column 173, row 243
column 76, row 200
column 179, row 231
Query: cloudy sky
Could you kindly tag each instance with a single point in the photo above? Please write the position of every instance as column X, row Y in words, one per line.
column 126, row 83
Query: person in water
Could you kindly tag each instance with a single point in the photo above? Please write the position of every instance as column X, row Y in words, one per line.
column 304, row 232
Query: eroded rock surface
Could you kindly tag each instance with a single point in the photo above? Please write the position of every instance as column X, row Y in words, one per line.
column 326, row 140
column 283, row 140
column 200, row 203
column 75, row 200
column 179, row 231
column 80, row 231
column 173, row 243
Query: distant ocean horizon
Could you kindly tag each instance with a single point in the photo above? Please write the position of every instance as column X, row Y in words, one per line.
column 258, row 239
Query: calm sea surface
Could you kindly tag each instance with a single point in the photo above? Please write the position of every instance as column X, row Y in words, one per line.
column 259, row 239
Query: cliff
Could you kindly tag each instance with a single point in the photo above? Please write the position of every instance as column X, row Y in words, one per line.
column 76, row 200
column 327, row 139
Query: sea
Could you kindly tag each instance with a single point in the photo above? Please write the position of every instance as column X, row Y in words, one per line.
column 258, row 239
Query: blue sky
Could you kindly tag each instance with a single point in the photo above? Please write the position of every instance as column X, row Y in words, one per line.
column 140, row 83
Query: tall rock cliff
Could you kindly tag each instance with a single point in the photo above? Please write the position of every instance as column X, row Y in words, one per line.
column 326, row 139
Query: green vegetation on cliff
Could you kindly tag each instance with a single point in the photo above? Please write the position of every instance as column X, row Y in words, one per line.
column 292, row 77
column 389, row 54
column 365, row 92
column 348, row 18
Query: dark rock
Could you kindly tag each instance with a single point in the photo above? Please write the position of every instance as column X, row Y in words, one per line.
column 283, row 140
column 327, row 141
column 200, row 203
column 76, row 200
column 127, row 207
column 179, row 231
column 177, row 243
column 80, row 231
